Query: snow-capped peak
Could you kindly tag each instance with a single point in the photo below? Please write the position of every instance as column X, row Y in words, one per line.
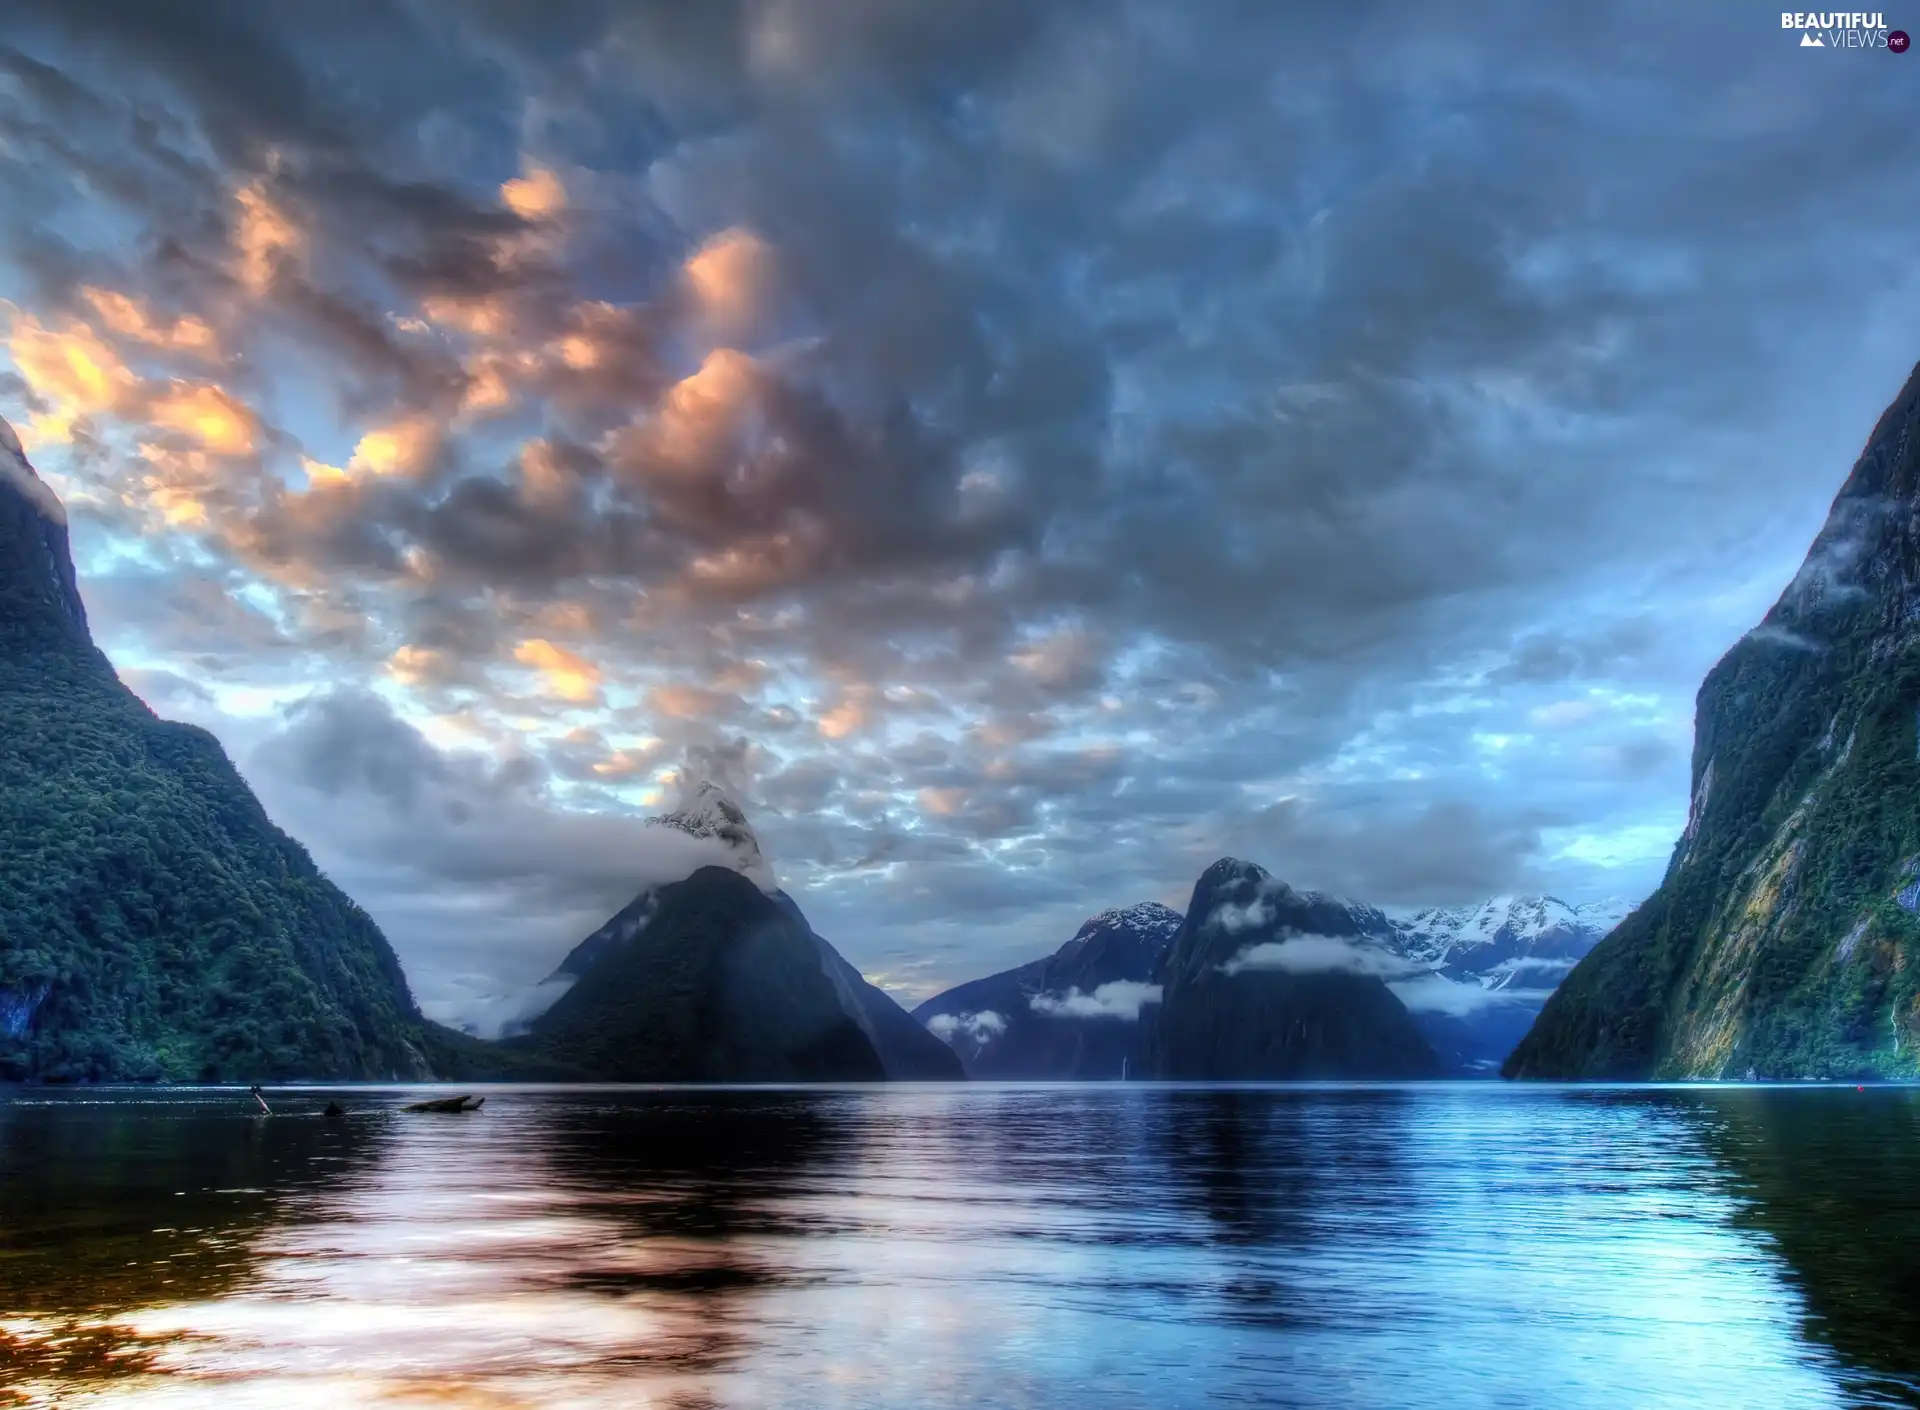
column 18, row 474
column 1491, row 941
column 707, row 810
column 1142, row 917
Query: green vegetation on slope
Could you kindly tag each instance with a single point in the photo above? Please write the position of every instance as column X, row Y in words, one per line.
column 153, row 921
column 154, row 924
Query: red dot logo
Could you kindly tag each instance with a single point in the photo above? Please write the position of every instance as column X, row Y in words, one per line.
column 1897, row 41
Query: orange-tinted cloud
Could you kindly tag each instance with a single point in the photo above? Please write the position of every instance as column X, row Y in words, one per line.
column 423, row 666
column 853, row 712
column 539, row 195
column 217, row 420
column 570, row 676
column 265, row 239
column 732, row 280
column 696, row 431
column 73, row 370
column 691, row 702
column 403, row 447
column 128, row 317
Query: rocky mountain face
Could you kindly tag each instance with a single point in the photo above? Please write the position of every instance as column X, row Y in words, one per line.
column 1264, row 982
column 1074, row 1015
column 720, row 978
column 154, row 923
column 1785, row 939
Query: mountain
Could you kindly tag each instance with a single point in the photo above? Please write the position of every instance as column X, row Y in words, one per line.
column 154, row 923
column 721, row 984
column 1508, row 942
column 1482, row 973
column 1264, row 982
column 720, row 978
column 1784, row 941
column 1074, row 1015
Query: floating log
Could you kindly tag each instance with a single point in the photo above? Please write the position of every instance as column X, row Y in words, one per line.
column 463, row 1103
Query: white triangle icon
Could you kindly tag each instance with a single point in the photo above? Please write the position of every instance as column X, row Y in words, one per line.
column 1809, row 41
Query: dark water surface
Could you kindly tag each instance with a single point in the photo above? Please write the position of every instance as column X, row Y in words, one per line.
column 1445, row 1245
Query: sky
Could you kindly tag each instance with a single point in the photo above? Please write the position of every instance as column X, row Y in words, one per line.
column 1023, row 451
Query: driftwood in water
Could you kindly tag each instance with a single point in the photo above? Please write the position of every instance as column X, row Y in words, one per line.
column 448, row 1104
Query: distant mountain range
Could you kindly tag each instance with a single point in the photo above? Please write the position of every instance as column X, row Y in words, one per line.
column 1473, row 978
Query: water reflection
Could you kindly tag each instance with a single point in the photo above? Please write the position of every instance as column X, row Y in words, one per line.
column 110, row 1204
column 929, row 1247
column 1830, row 1180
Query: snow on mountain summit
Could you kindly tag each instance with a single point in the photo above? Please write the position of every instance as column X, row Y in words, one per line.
column 708, row 810
column 1142, row 917
column 1509, row 937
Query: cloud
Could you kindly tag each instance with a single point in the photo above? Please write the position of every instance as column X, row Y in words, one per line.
column 1318, row 954
column 476, row 1004
column 1539, row 967
column 539, row 195
column 567, row 674
column 1122, row 999
column 1435, row 993
column 978, row 1029
column 1255, row 914
column 471, row 860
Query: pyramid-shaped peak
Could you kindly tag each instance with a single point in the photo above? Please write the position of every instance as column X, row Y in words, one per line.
column 707, row 809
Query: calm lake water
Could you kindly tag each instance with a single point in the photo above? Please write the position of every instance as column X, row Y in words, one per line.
column 1443, row 1245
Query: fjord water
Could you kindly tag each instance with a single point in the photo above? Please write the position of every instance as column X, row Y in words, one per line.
column 1428, row 1245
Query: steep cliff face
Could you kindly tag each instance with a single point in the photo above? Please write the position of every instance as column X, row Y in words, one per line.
column 1264, row 982
column 1784, row 941
column 154, row 923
